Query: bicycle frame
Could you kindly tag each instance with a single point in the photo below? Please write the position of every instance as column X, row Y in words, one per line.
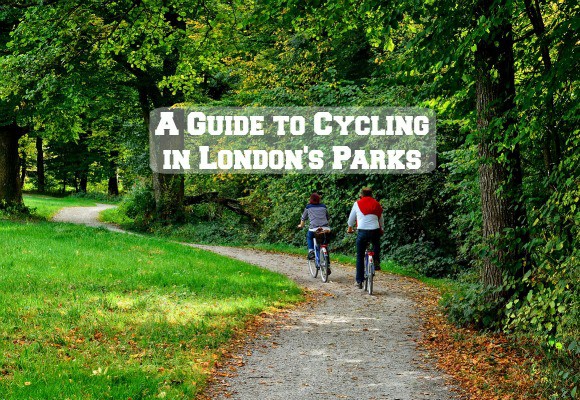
column 317, row 250
column 320, row 251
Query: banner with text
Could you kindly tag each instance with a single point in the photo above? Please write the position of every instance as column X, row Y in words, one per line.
column 293, row 139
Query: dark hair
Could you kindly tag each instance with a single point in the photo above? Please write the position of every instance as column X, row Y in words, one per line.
column 366, row 191
column 314, row 198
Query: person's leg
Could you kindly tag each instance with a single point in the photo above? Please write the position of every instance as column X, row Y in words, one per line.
column 310, row 244
column 361, row 244
column 376, row 239
column 310, row 240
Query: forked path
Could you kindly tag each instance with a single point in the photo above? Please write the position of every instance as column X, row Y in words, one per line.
column 347, row 345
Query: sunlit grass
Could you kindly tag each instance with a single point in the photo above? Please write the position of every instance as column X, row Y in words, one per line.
column 87, row 313
column 115, row 216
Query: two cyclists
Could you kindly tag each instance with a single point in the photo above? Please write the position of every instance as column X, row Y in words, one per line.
column 366, row 213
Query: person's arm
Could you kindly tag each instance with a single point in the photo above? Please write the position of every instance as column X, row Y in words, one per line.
column 352, row 218
column 382, row 222
column 303, row 218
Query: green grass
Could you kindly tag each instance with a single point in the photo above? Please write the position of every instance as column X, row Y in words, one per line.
column 90, row 314
column 115, row 216
column 46, row 207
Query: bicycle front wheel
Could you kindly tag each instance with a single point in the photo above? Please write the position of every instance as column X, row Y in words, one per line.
column 324, row 261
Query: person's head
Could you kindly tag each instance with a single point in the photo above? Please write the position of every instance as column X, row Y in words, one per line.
column 314, row 198
column 366, row 192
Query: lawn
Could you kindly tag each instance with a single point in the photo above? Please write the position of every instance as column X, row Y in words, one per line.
column 90, row 314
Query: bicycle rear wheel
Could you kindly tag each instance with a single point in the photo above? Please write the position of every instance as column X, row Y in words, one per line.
column 312, row 268
column 370, row 276
column 324, row 261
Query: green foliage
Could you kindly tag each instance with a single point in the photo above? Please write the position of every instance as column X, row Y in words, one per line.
column 424, row 258
column 471, row 304
column 86, row 76
column 97, row 196
column 14, row 210
column 139, row 204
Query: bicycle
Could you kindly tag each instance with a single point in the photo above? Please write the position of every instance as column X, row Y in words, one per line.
column 369, row 270
column 321, row 260
column 369, row 266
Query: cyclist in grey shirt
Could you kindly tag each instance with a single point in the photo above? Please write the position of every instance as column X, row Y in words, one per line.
column 317, row 214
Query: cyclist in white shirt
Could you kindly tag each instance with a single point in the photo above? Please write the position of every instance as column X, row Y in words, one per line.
column 367, row 213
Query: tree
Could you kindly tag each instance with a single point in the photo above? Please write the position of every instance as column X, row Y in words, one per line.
column 500, row 174
column 10, row 131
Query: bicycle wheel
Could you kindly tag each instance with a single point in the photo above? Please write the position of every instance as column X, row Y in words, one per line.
column 366, row 280
column 312, row 268
column 312, row 265
column 324, row 265
column 370, row 275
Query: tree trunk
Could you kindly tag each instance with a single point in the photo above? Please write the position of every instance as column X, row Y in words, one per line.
column 83, row 181
column 40, row 165
column 168, row 189
column 113, row 188
column 500, row 174
column 23, row 170
column 10, row 190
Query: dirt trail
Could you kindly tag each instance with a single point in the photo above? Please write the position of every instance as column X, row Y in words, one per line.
column 85, row 216
column 348, row 345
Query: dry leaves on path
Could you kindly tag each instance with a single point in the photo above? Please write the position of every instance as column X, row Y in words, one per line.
column 486, row 366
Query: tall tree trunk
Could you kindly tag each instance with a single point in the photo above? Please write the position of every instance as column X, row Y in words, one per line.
column 113, row 187
column 500, row 174
column 23, row 170
column 83, row 181
column 169, row 190
column 40, row 165
column 10, row 191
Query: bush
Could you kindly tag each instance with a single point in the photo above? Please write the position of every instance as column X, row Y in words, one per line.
column 139, row 204
column 97, row 196
column 14, row 210
column 424, row 258
column 474, row 305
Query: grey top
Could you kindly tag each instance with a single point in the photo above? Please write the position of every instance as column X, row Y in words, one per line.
column 317, row 214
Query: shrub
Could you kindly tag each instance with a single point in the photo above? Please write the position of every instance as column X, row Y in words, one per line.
column 473, row 305
column 97, row 196
column 424, row 258
column 139, row 204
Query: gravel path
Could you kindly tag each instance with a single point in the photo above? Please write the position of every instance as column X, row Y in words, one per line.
column 346, row 345
column 85, row 216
